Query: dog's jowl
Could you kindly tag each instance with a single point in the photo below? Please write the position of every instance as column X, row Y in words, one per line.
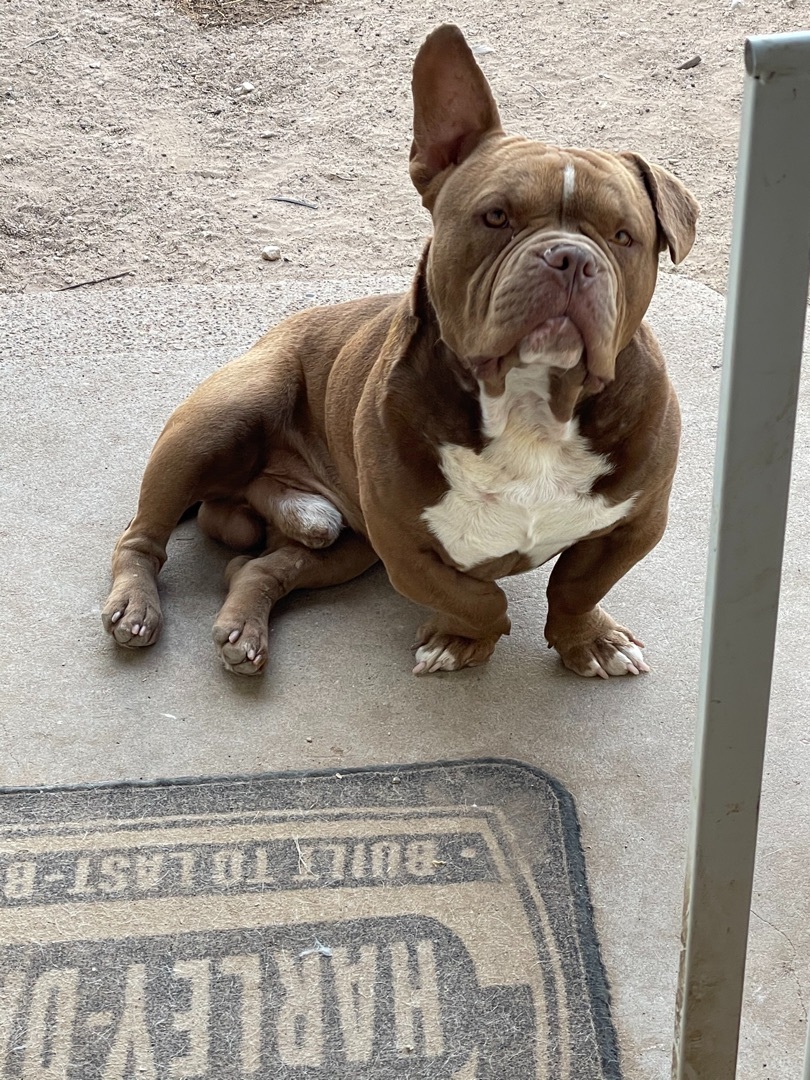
column 512, row 407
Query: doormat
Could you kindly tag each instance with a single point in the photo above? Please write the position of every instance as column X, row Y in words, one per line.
column 427, row 922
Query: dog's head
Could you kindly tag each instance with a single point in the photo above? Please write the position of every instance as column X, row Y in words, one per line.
column 539, row 254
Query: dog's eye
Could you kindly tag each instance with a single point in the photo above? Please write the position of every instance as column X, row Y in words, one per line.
column 623, row 237
column 496, row 219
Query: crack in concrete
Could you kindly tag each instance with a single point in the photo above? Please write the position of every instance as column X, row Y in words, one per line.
column 791, row 968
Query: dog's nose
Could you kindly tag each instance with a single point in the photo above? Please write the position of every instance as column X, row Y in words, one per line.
column 570, row 260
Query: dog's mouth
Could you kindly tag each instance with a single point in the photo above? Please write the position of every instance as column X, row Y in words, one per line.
column 556, row 342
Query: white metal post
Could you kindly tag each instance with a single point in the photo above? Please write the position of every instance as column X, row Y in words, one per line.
column 770, row 264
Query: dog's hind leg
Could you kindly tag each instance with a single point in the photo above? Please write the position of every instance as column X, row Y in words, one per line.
column 235, row 525
column 302, row 516
column 255, row 585
column 198, row 456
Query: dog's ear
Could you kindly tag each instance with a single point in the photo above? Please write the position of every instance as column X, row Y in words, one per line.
column 675, row 207
column 453, row 107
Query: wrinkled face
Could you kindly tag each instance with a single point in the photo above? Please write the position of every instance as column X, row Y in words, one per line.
column 542, row 255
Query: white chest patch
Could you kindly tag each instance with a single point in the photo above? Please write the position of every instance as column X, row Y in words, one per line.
column 529, row 490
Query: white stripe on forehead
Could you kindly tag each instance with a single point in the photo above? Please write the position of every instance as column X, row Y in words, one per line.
column 569, row 182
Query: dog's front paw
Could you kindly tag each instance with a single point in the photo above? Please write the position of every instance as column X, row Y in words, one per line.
column 447, row 652
column 133, row 617
column 242, row 644
column 615, row 654
column 594, row 645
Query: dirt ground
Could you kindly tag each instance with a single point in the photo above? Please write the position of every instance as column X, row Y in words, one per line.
column 152, row 137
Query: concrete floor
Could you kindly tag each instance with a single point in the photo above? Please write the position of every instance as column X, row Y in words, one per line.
column 88, row 379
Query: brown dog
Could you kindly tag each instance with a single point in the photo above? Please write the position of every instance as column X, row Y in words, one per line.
column 513, row 406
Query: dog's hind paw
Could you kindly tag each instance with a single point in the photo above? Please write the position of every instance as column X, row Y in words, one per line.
column 310, row 519
column 242, row 645
column 133, row 620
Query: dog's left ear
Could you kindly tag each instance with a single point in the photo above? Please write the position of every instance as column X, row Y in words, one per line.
column 675, row 207
column 453, row 108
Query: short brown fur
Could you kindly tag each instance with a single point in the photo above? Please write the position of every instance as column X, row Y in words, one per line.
column 347, row 407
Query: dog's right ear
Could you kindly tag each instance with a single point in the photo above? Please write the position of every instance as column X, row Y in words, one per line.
column 453, row 108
